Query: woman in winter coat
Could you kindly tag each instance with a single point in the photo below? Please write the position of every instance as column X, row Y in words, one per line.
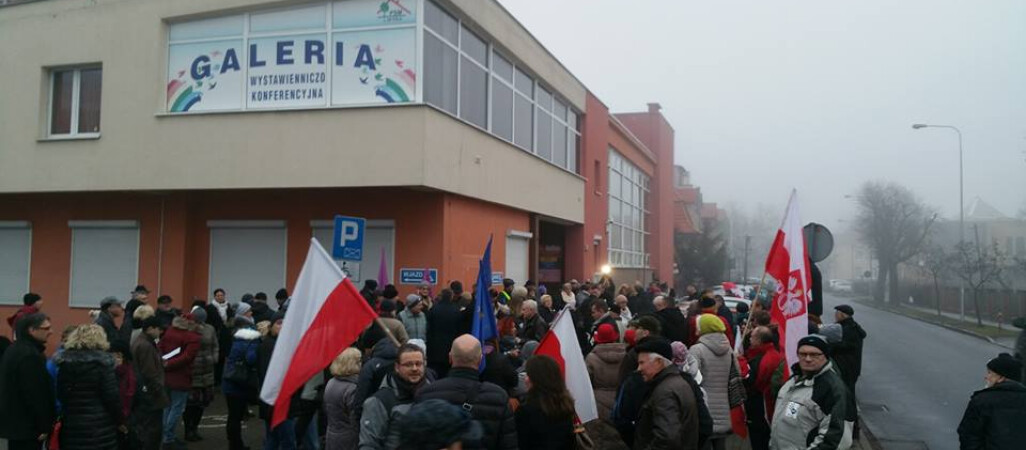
column 238, row 394
column 714, row 357
column 202, row 375
column 686, row 361
column 604, row 368
column 546, row 418
column 340, row 402
column 88, row 390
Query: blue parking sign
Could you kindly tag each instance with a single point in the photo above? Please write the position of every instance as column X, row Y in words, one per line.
column 347, row 244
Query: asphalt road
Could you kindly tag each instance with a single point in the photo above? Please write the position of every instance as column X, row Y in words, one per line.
column 916, row 377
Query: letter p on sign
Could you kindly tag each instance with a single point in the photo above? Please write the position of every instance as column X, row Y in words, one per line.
column 348, row 238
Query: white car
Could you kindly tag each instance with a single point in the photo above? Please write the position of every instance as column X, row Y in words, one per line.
column 841, row 285
column 732, row 302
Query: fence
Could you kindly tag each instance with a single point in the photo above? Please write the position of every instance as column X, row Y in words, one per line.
column 1010, row 304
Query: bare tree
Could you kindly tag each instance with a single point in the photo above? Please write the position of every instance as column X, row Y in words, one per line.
column 978, row 265
column 937, row 264
column 894, row 223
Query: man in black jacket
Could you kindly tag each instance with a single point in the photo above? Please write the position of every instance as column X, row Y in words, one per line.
column 444, row 321
column 672, row 321
column 487, row 403
column 847, row 354
column 995, row 416
column 27, row 405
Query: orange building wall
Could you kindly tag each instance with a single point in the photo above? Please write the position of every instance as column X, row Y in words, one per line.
column 468, row 224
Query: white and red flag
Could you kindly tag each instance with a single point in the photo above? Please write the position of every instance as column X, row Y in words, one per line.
column 560, row 344
column 788, row 264
column 326, row 315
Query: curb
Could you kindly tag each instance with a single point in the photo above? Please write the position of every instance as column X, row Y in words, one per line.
column 868, row 438
column 939, row 324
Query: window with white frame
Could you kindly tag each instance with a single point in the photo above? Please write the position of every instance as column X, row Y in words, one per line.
column 628, row 192
column 467, row 77
column 16, row 248
column 75, row 101
column 104, row 260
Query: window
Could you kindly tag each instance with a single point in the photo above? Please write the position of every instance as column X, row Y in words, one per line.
column 440, row 66
column 378, row 235
column 628, row 187
column 523, row 126
column 502, row 109
column 247, row 256
column 104, row 260
column 75, row 102
column 474, row 93
column 544, row 144
column 16, row 246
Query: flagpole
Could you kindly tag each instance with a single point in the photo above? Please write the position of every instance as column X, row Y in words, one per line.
column 387, row 331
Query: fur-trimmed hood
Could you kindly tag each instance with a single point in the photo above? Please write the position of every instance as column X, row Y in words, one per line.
column 247, row 334
column 85, row 356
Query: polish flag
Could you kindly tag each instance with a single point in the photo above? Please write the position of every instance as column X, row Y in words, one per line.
column 326, row 315
column 560, row 344
column 788, row 265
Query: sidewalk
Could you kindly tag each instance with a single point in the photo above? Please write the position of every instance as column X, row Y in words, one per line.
column 1005, row 336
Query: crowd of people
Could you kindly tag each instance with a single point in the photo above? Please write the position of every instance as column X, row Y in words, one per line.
column 667, row 371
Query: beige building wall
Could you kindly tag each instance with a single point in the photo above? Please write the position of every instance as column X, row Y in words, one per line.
column 141, row 148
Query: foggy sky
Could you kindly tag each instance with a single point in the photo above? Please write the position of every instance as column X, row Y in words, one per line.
column 819, row 96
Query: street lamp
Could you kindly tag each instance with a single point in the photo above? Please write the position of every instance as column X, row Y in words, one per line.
column 961, row 202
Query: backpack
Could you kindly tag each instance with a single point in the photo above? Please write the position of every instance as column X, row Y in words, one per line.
column 241, row 372
column 705, row 420
column 629, row 399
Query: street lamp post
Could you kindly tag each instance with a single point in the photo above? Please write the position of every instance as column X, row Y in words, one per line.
column 961, row 204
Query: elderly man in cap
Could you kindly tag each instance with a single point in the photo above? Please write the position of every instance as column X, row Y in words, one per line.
column 413, row 317
column 812, row 407
column 847, row 354
column 111, row 309
column 996, row 415
column 669, row 416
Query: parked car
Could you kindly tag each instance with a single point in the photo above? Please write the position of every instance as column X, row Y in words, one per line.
column 732, row 302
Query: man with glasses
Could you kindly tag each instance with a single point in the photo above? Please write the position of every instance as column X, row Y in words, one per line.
column 27, row 406
column 392, row 400
column 812, row 407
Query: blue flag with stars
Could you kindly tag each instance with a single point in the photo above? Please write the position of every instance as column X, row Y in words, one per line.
column 484, row 327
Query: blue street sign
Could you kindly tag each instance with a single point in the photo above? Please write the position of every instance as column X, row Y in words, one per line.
column 347, row 244
column 497, row 278
column 416, row 276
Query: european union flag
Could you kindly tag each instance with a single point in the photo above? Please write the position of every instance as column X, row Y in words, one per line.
column 484, row 327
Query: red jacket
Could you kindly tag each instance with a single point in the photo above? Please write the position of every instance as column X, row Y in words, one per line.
column 765, row 364
column 178, row 370
column 21, row 312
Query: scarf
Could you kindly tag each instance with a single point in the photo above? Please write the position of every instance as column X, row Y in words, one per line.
column 222, row 309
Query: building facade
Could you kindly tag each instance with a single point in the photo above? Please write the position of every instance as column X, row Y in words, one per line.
column 193, row 145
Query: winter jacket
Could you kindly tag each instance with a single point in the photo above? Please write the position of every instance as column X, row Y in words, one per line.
column 244, row 348
column 532, row 329
column 847, row 355
column 27, row 407
column 604, row 370
column 178, row 369
column 21, row 312
column 535, row 430
column 415, row 324
column 150, row 367
column 340, row 410
column 127, row 385
column 714, row 358
column 88, row 389
column 489, row 406
column 396, row 328
column 766, row 364
column 381, row 362
column 810, row 412
column 499, row 371
column 206, row 358
column 106, row 321
column 994, row 418
column 669, row 416
column 674, row 325
column 380, row 411
column 444, row 323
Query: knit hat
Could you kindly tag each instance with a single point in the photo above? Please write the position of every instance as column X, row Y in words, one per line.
column 815, row 340
column 243, row 308
column 710, row 323
column 629, row 336
column 435, row 424
column 707, row 302
column 680, row 352
column 199, row 314
column 419, row 343
column 658, row 346
column 605, row 334
column 1006, row 366
column 412, row 300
